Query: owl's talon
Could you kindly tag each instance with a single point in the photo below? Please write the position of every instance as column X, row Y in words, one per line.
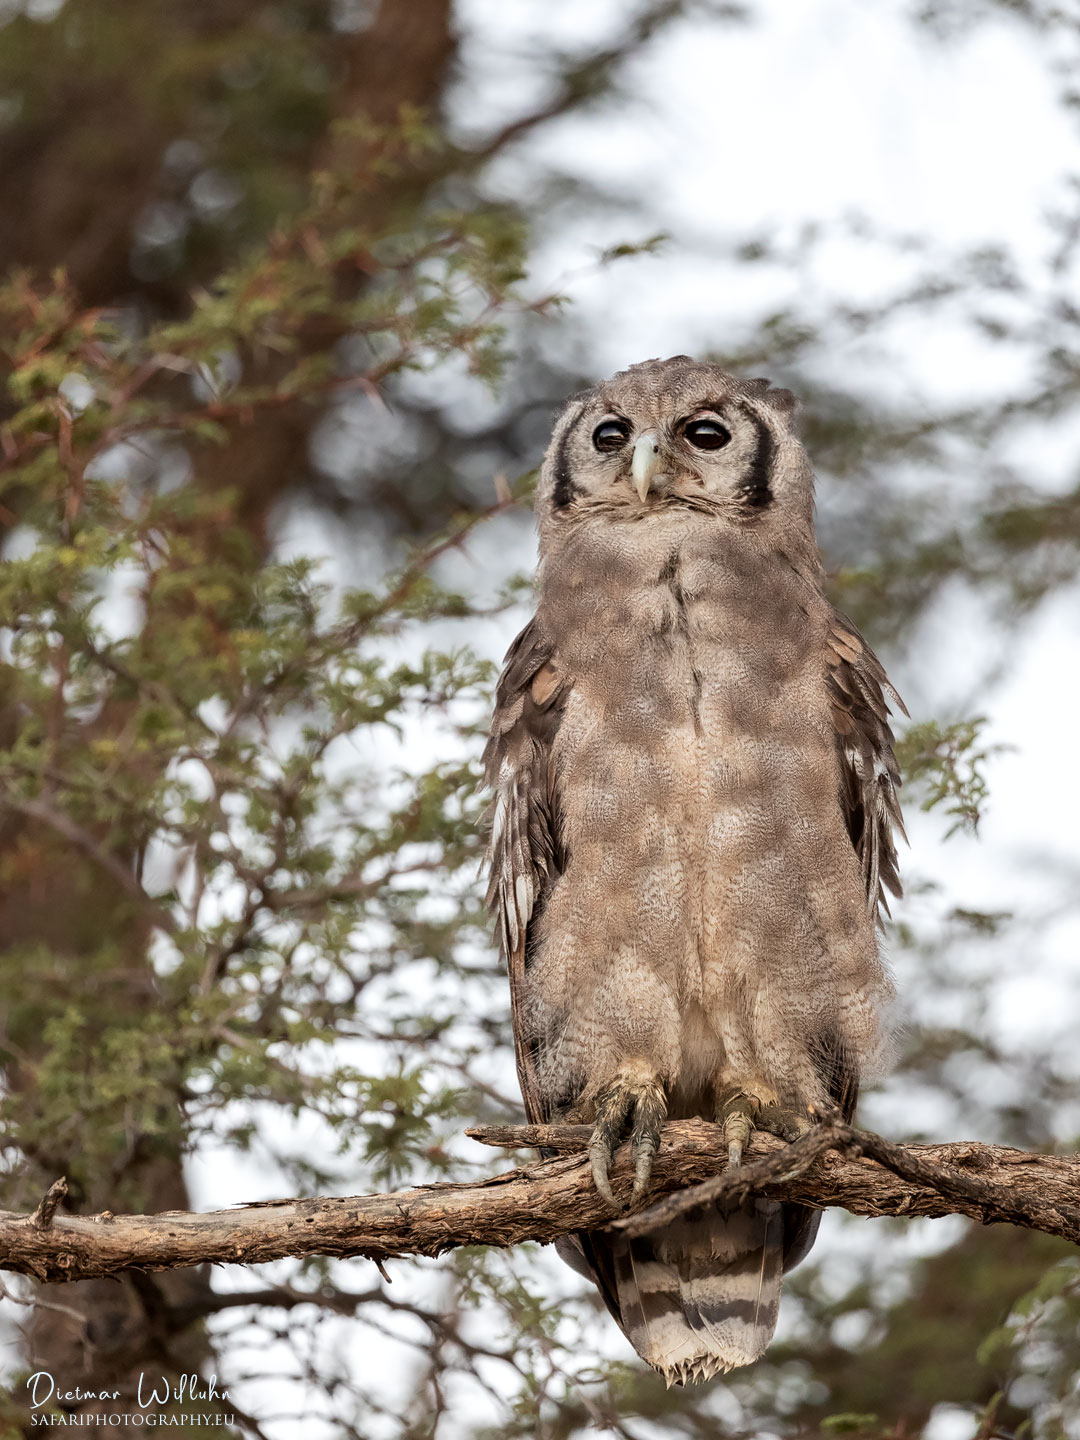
column 737, row 1116
column 741, row 1114
column 781, row 1121
column 649, row 1116
column 635, row 1099
column 643, row 1161
column 612, row 1112
column 600, row 1156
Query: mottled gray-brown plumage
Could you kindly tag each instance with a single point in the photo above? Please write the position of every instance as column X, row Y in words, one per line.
column 695, row 794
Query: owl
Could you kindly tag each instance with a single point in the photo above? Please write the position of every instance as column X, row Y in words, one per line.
column 695, row 798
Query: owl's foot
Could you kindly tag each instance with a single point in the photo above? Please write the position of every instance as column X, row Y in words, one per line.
column 634, row 1101
column 741, row 1112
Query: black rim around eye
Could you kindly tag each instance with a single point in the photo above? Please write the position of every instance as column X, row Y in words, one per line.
column 611, row 435
column 707, row 434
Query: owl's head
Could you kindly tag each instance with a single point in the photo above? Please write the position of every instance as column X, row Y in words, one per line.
column 671, row 434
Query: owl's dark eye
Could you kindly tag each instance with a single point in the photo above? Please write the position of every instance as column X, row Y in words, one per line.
column 611, row 435
column 707, row 434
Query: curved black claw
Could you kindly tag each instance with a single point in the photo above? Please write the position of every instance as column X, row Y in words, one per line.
column 635, row 1099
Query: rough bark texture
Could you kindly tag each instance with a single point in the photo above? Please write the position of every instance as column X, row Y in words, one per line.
column 832, row 1166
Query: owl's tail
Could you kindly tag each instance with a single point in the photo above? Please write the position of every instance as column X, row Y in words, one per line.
column 699, row 1296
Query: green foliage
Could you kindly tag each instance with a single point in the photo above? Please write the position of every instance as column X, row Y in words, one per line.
column 946, row 764
column 848, row 1424
column 207, row 745
column 197, row 758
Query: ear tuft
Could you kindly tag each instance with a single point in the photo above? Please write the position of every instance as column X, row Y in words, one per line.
column 782, row 400
column 756, row 387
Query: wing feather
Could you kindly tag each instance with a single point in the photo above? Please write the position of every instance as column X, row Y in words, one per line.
column 869, row 779
column 525, row 851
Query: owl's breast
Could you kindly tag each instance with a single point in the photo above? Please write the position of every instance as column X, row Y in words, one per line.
column 690, row 626
column 698, row 773
column 699, row 695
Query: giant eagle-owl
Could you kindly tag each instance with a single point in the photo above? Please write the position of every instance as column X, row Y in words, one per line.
column 692, row 830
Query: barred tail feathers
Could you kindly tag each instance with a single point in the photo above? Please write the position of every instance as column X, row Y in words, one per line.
column 700, row 1296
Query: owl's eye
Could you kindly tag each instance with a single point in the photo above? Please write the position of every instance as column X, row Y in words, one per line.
column 707, row 434
column 611, row 435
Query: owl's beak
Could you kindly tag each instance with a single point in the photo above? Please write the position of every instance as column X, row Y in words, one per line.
column 646, row 462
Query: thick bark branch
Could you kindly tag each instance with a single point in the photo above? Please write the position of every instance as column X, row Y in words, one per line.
column 833, row 1165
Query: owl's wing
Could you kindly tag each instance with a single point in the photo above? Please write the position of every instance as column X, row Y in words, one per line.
column 525, row 850
column 860, row 692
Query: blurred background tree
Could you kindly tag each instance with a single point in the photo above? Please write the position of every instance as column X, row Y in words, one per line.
column 256, row 572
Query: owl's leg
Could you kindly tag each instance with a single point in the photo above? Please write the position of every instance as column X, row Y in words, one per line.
column 633, row 1101
column 746, row 1107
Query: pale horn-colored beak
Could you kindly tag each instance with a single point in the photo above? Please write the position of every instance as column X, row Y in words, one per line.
column 646, row 462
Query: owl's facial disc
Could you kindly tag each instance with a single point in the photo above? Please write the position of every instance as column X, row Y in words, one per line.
column 667, row 434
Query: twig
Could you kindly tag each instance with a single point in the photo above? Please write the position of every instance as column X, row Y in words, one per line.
column 46, row 1209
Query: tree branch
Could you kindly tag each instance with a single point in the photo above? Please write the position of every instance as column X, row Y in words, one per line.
column 833, row 1165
